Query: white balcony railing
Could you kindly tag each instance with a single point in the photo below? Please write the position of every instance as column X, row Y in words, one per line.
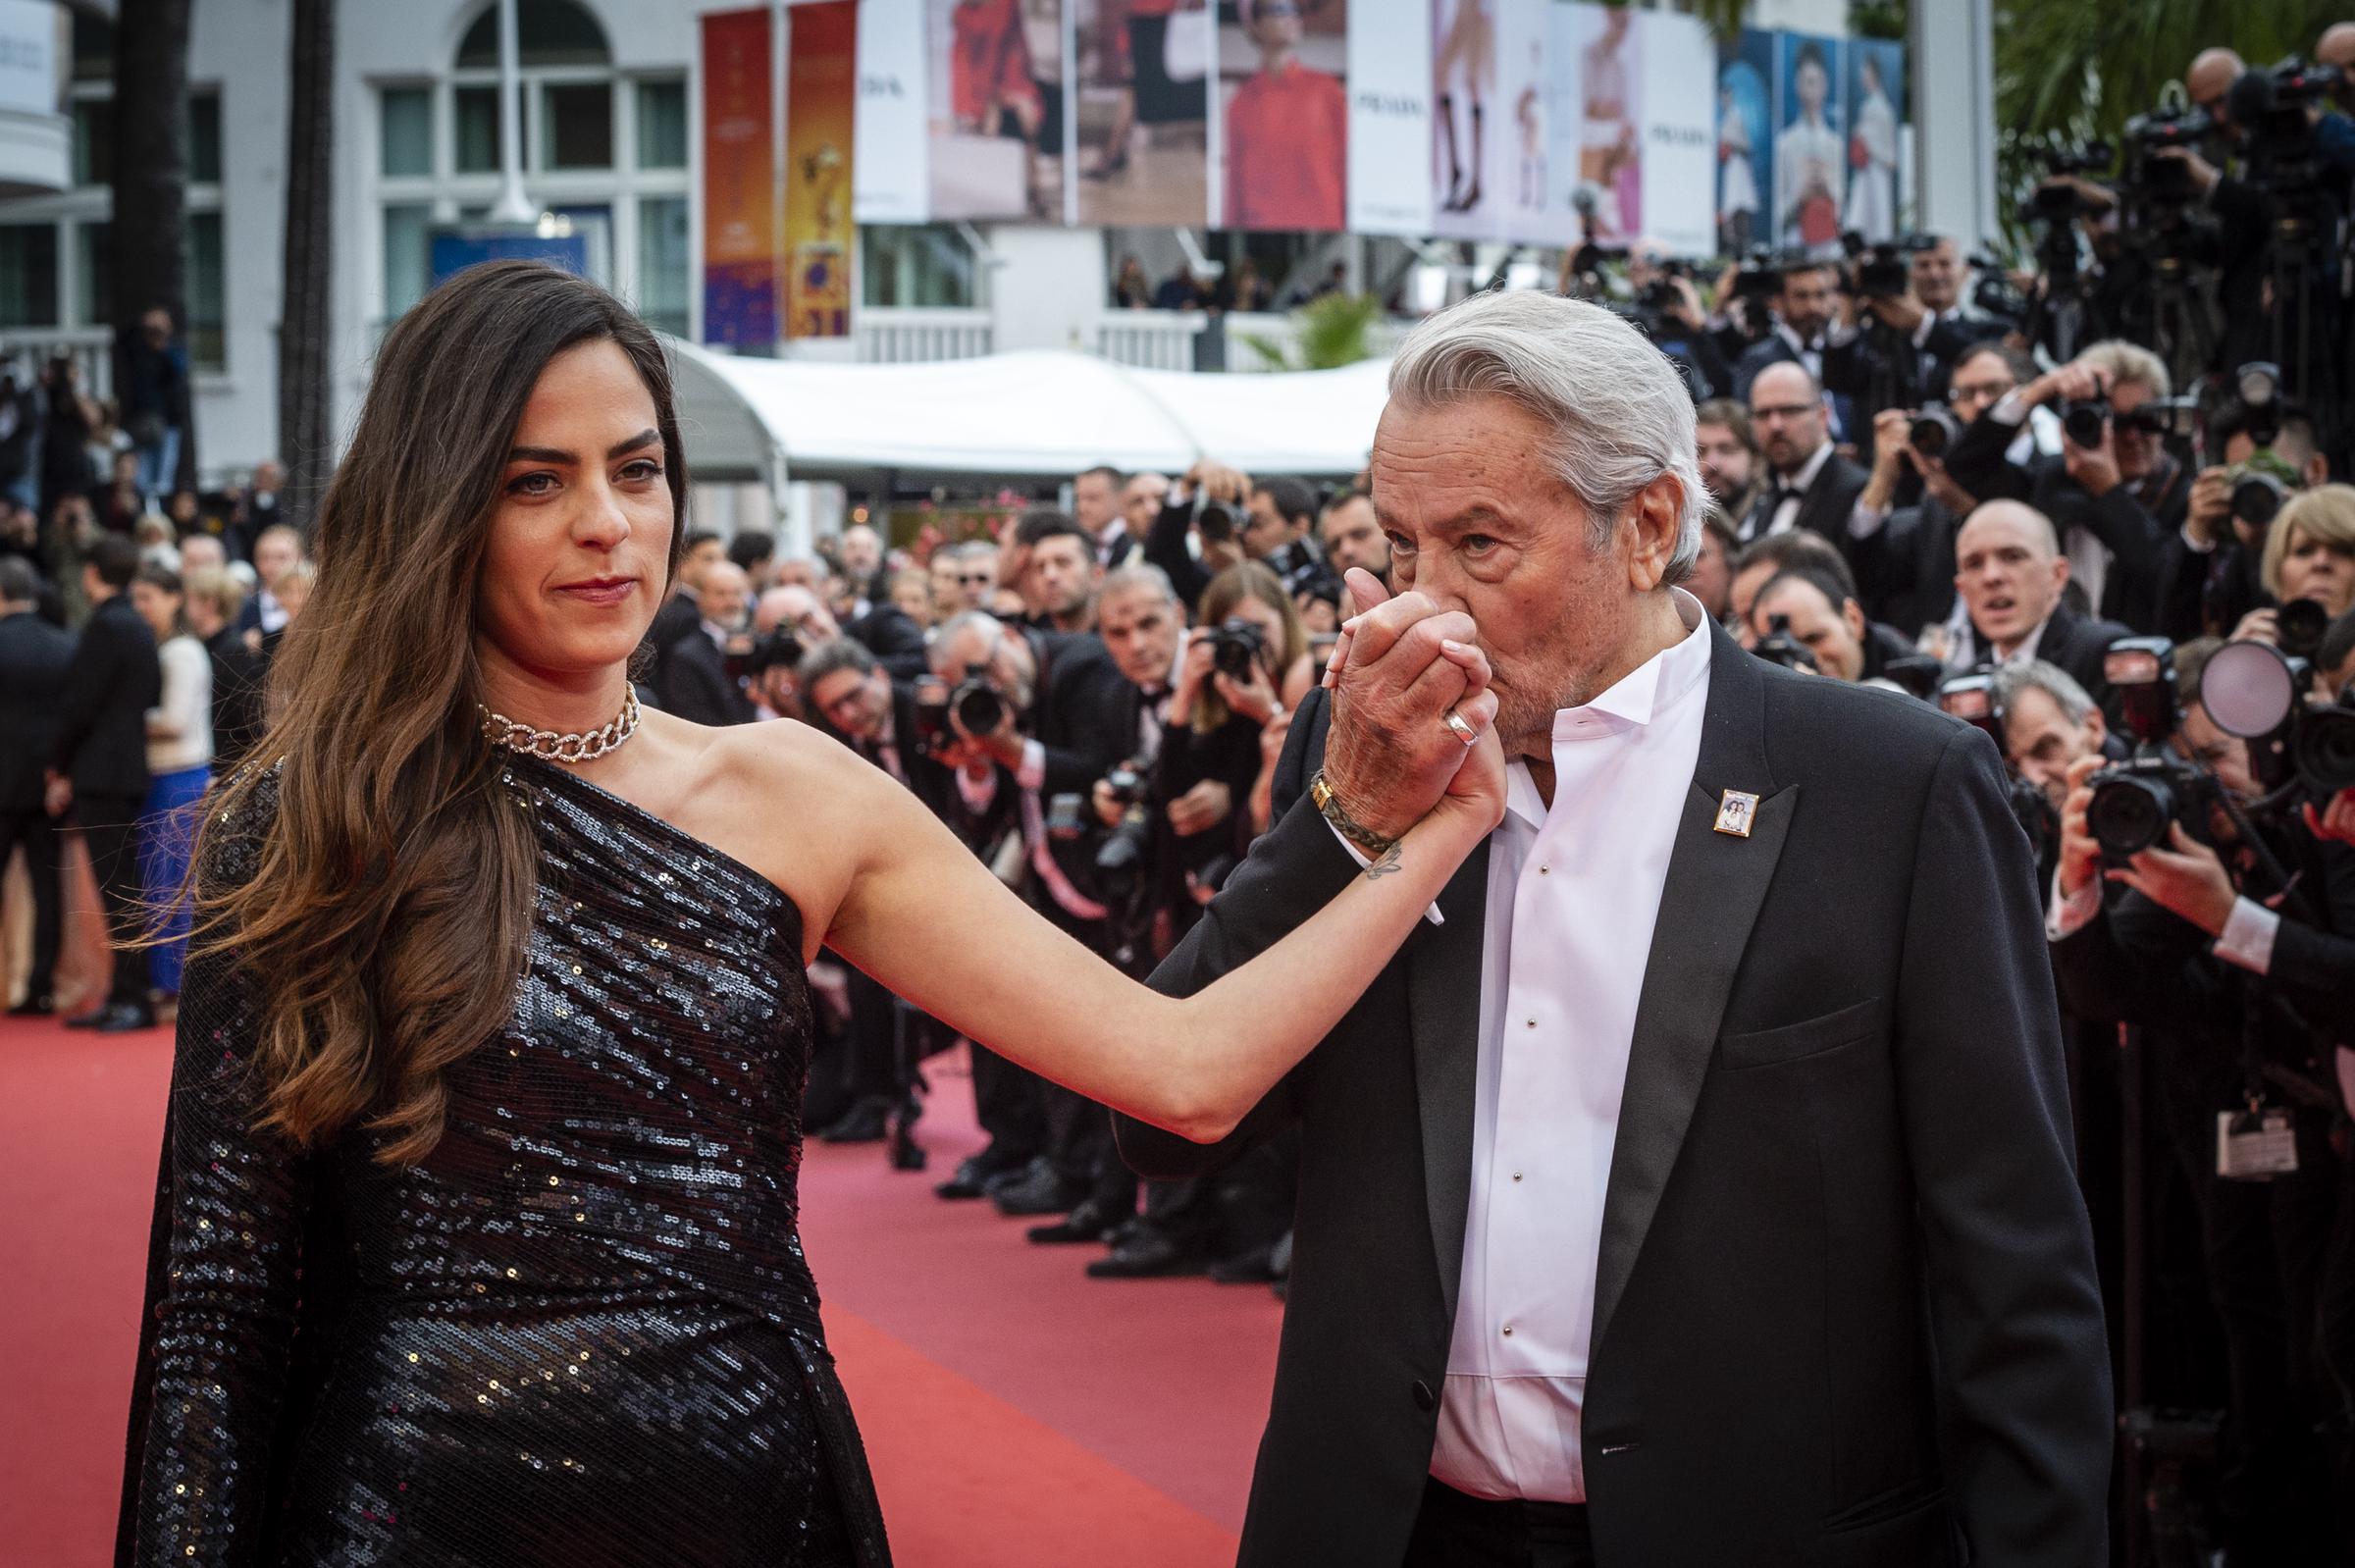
column 1150, row 340
column 900, row 334
column 28, row 348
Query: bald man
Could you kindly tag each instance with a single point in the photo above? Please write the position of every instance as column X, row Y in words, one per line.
column 2010, row 574
column 2210, row 78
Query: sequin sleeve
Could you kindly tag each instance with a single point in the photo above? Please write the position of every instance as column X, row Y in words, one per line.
column 219, row 1325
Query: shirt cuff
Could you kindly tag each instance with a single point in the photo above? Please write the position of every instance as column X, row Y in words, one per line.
column 2248, row 938
column 977, row 795
column 2010, row 410
column 1432, row 913
column 1034, row 772
column 2195, row 544
column 2072, row 912
column 1866, row 521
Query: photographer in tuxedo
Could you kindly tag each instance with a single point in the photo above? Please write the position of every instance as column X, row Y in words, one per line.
column 1656, row 1209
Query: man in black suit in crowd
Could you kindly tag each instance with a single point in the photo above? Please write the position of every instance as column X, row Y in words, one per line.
column 2011, row 574
column 1809, row 484
column 678, row 616
column 891, row 634
column 694, row 665
column 1732, row 1222
column 34, row 658
column 98, row 766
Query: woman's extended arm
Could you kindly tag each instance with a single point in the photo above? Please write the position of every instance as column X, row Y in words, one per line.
column 1193, row 1065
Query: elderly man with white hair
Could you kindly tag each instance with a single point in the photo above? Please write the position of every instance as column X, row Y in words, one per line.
column 1696, row 1186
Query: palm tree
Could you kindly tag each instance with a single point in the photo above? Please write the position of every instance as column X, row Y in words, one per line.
column 305, row 434
column 148, row 232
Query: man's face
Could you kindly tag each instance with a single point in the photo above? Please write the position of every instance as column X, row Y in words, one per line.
column 1265, row 529
column 801, row 610
column 1140, row 629
column 1725, row 463
column 1834, row 635
column 1742, row 596
column 943, row 568
column 1064, row 571
column 273, row 554
column 1353, row 538
column 1711, row 581
column 1808, row 300
column 795, row 574
column 702, row 558
column 1477, row 521
column 1788, row 416
column 1002, row 654
column 158, row 327
column 725, row 593
column 861, row 549
column 1937, row 276
column 2041, row 743
column 2199, row 738
column 268, row 477
column 1140, row 501
column 2137, row 449
column 855, row 704
column 1093, row 501
column 1979, row 384
column 2008, row 574
column 912, row 592
column 201, row 549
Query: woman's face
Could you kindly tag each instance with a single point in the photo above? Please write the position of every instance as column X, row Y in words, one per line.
column 1270, row 622
column 158, row 608
column 2313, row 568
column 580, row 534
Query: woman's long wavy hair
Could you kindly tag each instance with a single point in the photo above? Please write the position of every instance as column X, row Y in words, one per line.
column 384, row 926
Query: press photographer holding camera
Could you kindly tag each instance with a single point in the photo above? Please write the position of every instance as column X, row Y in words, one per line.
column 2211, row 570
column 2190, row 900
column 1211, row 504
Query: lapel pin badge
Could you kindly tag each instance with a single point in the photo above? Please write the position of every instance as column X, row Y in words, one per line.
column 1737, row 813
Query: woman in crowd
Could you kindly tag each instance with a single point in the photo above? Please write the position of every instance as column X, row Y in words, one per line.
column 478, row 1231
column 179, row 766
column 212, row 598
column 2310, row 552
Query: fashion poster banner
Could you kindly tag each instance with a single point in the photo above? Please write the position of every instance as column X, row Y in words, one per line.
column 1534, row 200
column 1390, row 117
column 1810, row 150
column 1146, row 70
column 1284, row 142
column 891, row 180
column 995, row 116
column 1876, row 112
column 821, row 92
column 1471, row 174
column 1746, row 127
column 740, row 216
column 1611, row 130
column 1678, row 131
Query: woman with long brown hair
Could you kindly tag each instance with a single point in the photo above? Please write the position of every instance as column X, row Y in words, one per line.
column 476, row 1238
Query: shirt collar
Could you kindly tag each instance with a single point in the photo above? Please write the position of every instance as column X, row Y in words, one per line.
column 1643, row 694
column 1810, row 469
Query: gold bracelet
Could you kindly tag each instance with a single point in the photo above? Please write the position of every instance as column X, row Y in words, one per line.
column 1320, row 790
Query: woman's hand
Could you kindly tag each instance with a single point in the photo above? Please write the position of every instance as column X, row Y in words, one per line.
column 1192, row 670
column 2259, row 626
column 1200, row 808
column 1254, row 699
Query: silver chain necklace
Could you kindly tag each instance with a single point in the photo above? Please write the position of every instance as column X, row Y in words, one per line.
column 548, row 746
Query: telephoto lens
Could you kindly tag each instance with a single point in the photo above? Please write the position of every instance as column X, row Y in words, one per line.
column 2129, row 812
column 1934, row 431
column 2256, row 497
column 2325, row 745
column 978, row 707
column 2300, row 626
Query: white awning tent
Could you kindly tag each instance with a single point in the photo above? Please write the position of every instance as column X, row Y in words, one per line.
column 1041, row 413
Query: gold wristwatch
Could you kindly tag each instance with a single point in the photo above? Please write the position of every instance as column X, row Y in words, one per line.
column 1320, row 790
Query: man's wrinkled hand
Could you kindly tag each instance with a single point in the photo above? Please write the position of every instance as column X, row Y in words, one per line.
column 1399, row 668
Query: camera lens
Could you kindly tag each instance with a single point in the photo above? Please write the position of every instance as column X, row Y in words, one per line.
column 980, row 709
column 2129, row 816
column 2256, row 498
column 1933, row 431
column 2084, row 421
column 2326, row 749
column 2301, row 624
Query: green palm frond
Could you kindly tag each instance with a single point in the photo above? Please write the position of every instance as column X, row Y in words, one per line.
column 1335, row 330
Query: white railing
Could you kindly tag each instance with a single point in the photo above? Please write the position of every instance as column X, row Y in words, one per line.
column 28, row 348
column 1150, row 340
column 901, row 333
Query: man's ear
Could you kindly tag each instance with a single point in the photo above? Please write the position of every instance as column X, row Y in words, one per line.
column 1658, row 513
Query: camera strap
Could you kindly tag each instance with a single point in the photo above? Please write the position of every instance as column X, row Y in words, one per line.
column 1078, row 905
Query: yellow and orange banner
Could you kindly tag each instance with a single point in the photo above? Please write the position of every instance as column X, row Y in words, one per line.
column 740, row 218
column 821, row 92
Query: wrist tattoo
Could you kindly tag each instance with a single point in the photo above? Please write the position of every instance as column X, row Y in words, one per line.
column 1388, row 863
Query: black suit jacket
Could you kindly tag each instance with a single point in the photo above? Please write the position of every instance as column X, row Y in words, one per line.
column 1824, row 506
column 890, row 634
column 1906, row 568
column 1844, row 1301
column 239, row 712
column 2074, row 644
column 1085, row 723
column 2134, row 534
column 675, row 619
column 112, row 682
column 699, row 688
column 34, row 658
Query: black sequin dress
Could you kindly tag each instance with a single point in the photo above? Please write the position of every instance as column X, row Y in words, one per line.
column 582, row 1332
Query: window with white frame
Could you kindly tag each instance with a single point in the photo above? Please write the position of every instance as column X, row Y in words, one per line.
column 603, row 146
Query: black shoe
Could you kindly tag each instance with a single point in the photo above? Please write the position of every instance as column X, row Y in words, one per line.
column 867, row 1121
column 977, row 1174
column 1090, row 1221
column 1151, row 1256
column 1251, row 1267
column 122, row 1017
column 1038, row 1193
column 89, row 1020
column 37, row 1005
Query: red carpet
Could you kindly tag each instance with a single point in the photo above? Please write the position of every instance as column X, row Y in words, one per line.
column 1019, row 1415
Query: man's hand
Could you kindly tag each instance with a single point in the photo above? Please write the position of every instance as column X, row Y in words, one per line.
column 2073, row 382
column 58, row 794
column 2188, row 880
column 2211, row 505
column 1891, row 444
column 1218, row 482
column 1400, row 666
column 2202, row 174
column 1110, row 811
column 1200, row 808
column 2095, row 467
column 2080, row 855
column 1941, row 483
column 1903, row 311
column 1002, row 745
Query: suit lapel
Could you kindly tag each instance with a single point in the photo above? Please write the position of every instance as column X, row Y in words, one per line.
column 1716, row 883
column 1443, row 972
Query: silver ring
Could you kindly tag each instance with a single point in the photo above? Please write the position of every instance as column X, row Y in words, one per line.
column 1464, row 731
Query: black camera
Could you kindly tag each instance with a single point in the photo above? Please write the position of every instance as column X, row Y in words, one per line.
column 977, row 700
column 1214, row 520
column 1934, row 430
column 2055, row 199
column 2084, row 420
column 1971, row 699
column 2134, row 800
column 1127, row 784
column 2299, row 627
column 2257, row 496
column 1236, row 647
column 2256, row 692
column 1882, row 270
column 767, row 651
column 1779, row 646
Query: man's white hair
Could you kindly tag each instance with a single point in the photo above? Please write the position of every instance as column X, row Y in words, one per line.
column 1620, row 414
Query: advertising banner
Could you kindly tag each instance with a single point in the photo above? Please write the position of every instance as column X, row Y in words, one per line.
column 1746, row 126
column 1876, row 109
column 1810, row 149
column 1283, row 147
column 740, row 217
column 821, row 83
column 995, row 110
column 891, row 182
column 1144, row 159
column 1390, row 117
column 1678, row 127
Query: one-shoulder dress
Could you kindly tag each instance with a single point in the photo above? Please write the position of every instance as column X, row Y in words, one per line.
column 582, row 1332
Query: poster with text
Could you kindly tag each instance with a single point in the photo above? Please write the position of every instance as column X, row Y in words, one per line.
column 995, row 117
column 821, row 96
column 1746, row 127
column 740, row 217
column 1810, row 150
column 1143, row 107
column 1471, row 174
column 1678, row 130
column 1284, row 127
column 891, row 182
column 1876, row 112
column 1390, row 120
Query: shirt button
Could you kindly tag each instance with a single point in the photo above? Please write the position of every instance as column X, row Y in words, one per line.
column 1543, row 870
column 1516, row 1176
column 1508, row 1331
column 1424, row 1400
column 1533, row 1023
